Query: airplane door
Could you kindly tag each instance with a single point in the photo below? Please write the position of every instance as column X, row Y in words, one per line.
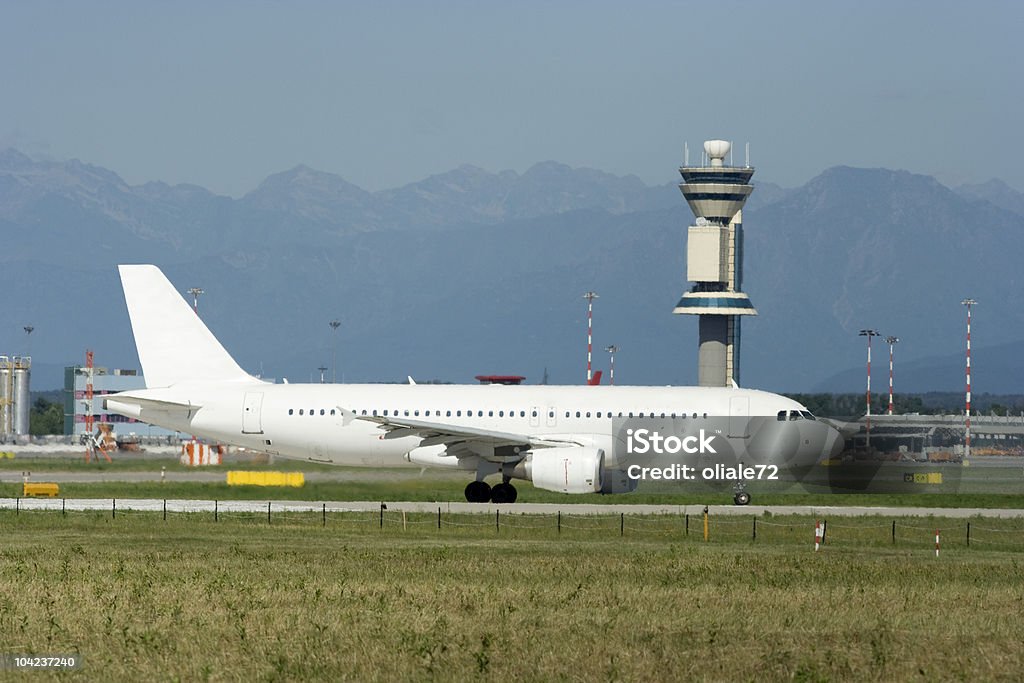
column 739, row 417
column 535, row 416
column 251, row 407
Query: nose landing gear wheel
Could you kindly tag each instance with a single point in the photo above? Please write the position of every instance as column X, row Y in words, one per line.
column 478, row 492
column 741, row 498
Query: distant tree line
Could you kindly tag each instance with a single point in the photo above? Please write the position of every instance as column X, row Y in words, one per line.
column 46, row 417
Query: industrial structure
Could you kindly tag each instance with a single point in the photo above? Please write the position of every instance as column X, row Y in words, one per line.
column 15, row 396
column 84, row 389
column 716, row 193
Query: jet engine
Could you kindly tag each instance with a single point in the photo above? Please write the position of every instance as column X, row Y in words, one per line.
column 573, row 469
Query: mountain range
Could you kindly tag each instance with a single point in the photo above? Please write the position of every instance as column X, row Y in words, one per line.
column 471, row 272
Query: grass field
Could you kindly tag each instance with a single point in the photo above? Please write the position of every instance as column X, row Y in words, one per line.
column 238, row 599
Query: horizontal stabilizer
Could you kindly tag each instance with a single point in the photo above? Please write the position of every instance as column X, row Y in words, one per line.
column 139, row 408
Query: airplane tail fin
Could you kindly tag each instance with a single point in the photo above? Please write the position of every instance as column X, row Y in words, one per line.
column 174, row 344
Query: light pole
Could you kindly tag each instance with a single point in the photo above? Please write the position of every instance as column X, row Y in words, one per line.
column 335, row 324
column 590, row 296
column 322, row 369
column 869, row 334
column 28, row 337
column 195, row 292
column 892, row 342
column 967, row 401
column 612, row 350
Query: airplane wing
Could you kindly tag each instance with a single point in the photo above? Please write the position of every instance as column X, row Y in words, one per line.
column 460, row 438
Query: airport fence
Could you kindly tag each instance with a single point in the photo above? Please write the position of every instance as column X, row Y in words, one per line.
column 849, row 533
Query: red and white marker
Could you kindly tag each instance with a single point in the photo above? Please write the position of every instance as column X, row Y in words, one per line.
column 590, row 296
column 819, row 532
column 936, row 543
column 967, row 407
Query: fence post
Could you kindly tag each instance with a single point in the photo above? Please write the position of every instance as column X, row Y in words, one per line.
column 63, row 513
column 894, row 532
column 687, row 523
column 497, row 520
column 17, row 506
column 559, row 521
column 622, row 523
column 754, row 535
column 216, row 509
column 268, row 512
column 824, row 530
column 113, row 507
column 165, row 509
column 383, row 507
column 968, row 534
column 438, row 516
column 324, row 514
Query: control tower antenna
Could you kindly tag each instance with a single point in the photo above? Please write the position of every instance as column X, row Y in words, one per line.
column 716, row 194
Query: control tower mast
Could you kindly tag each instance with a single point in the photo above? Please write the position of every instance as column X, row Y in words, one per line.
column 716, row 194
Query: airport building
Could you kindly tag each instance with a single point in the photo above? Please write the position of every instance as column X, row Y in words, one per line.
column 15, row 395
column 104, row 381
column 716, row 193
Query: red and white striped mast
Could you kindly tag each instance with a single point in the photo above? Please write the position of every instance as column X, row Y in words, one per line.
column 869, row 334
column 612, row 350
column 89, row 373
column 967, row 405
column 590, row 296
column 195, row 292
column 892, row 342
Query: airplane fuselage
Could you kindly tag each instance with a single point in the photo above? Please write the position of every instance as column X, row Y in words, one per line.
column 314, row 421
column 571, row 439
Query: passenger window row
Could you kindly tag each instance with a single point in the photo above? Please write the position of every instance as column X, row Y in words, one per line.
column 512, row 413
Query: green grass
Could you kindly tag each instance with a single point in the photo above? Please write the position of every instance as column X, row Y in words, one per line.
column 238, row 599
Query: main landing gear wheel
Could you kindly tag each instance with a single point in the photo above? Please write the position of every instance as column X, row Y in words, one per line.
column 478, row 492
column 741, row 498
column 504, row 493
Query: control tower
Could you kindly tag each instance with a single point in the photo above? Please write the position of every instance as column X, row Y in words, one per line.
column 716, row 194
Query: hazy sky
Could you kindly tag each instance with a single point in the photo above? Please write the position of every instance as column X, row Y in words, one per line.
column 384, row 93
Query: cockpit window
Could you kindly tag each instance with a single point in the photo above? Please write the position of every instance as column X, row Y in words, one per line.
column 781, row 417
column 795, row 415
column 807, row 415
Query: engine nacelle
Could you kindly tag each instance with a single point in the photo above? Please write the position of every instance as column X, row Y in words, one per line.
column 574, row 469
column 436, row 456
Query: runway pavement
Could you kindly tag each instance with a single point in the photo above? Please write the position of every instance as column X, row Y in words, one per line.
column 254, row 506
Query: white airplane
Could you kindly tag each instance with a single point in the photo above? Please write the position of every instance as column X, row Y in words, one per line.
column 562, row 438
